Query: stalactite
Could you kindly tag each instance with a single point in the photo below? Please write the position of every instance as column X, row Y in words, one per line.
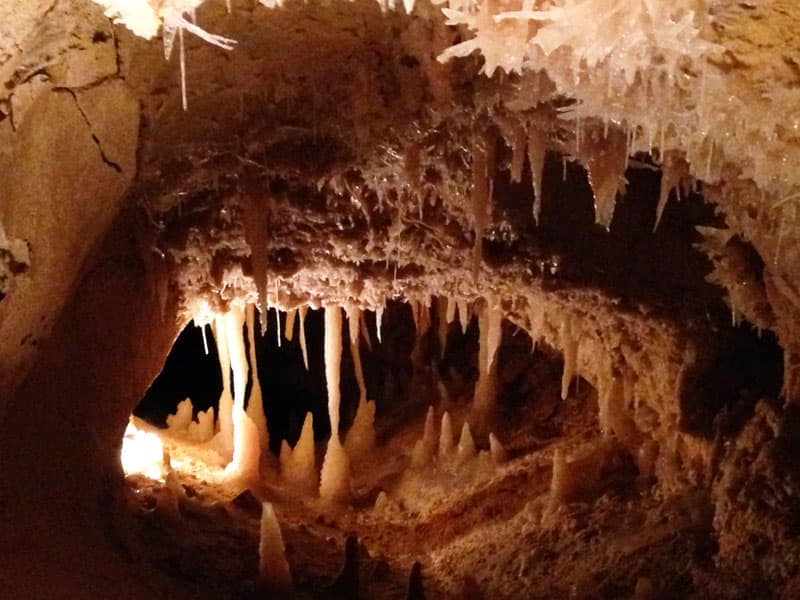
column 362, row 321
column 490, row 334
column 272, row 565
column 673, row 171
column 463, row 314
column 335, row 475
column 518, row 147
column 225, row 411
column 606, row 162
column 303, row 347
column 255, row 404
column 353, row 317
column 246, row 437
column 482, row 169
column 537, row 141
column 333, row 363
column 256, row 226
column 450, row 312
column 277, row 320
column 442, row 303
column 378, row 323
column 290, row 318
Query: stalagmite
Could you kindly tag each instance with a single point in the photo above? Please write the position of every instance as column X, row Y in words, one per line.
column 425, row 448
column 255, row 404
column 569, row 338
column 463, row 314
column 272, row 565
column 334, row 483
column 182, row 418
column 557, row 482
column 303, row 347
column 299, row 466
column 536, row 153
column 234, row 324
column 290, row 318
column 202, row 430
column 466, row 444
column 225, row 410
column 496, row 450
column 446, row 443
column 245, row 464
column 361, row 437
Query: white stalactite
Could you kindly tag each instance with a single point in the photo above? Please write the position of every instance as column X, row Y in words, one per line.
column 290, row 318
column 225, row 410
column 255, row 404
column 303, row 347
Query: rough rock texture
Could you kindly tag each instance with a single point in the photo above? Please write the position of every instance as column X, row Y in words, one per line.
column 331, row 157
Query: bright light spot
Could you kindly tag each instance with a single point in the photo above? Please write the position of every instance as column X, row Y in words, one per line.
column 142, row 453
